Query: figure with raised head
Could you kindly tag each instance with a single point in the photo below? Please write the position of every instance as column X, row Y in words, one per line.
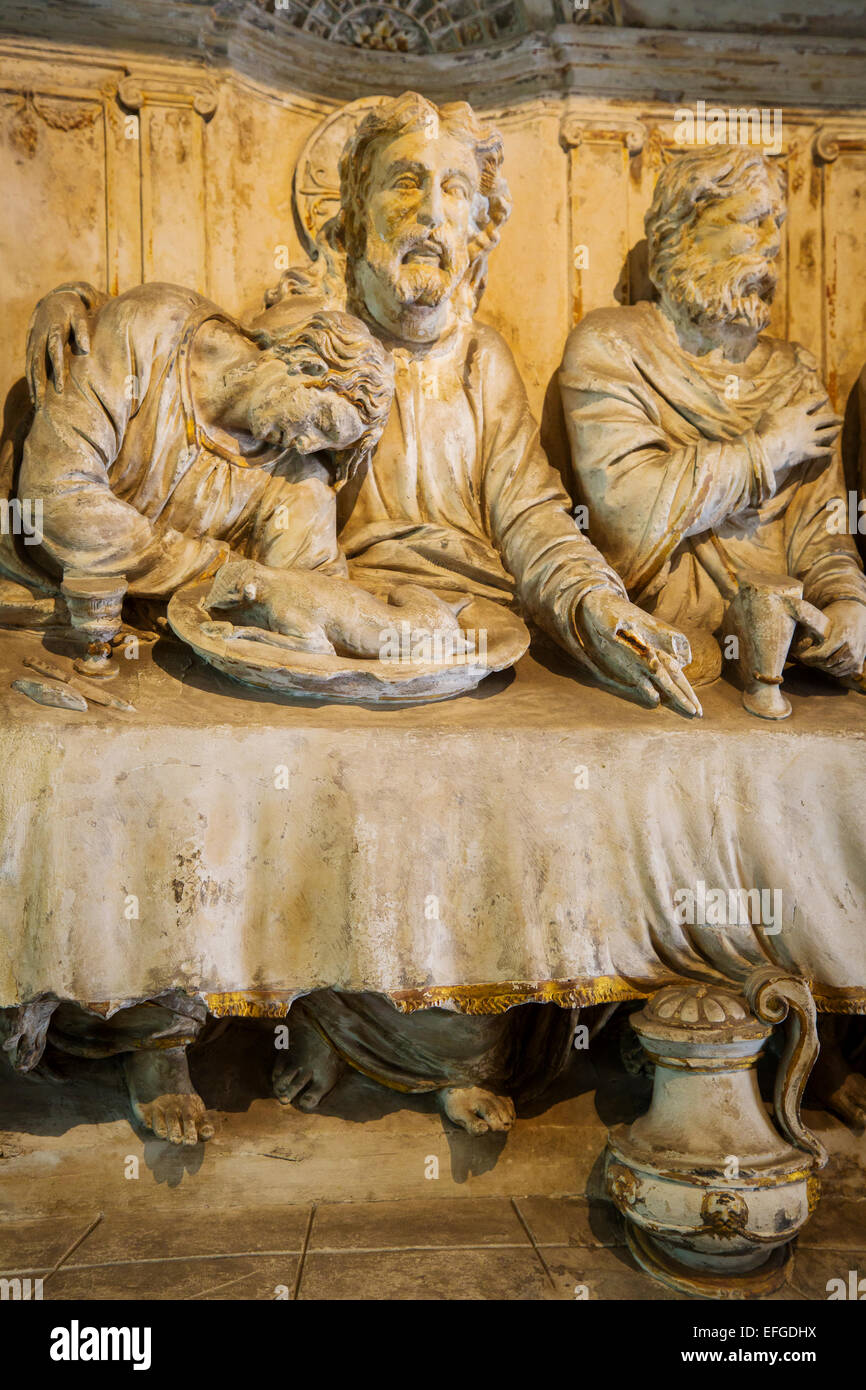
column 458, row 498
column 705, row 449
column 706, row 453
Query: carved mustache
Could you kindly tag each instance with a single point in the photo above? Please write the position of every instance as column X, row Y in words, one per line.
column 426, row 250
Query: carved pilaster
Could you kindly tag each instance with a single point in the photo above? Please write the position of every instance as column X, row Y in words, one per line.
column 134, row 92
column 830, row 141
column 603, row 151
column 577, row 129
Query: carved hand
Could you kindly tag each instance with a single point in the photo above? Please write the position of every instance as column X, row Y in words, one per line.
column 791, row 434
column 843, row 650
column 637, row 650
column 58, row 319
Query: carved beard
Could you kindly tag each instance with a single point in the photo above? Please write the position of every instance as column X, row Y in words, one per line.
column 737, row 291
column 417, row 283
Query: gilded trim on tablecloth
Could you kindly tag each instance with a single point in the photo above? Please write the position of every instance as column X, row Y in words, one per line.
column 467, row 999
column 251, row 1003
column 496, row 999
column 834, row 999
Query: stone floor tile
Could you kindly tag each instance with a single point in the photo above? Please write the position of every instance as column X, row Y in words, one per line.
column 571, row 1221
column 838, row 1223
column 123, row 1235
column 238, row 1277
column 444, row 1221
column 440, row 1275
column 39, row 1244
column 813, row 1269
column 604, row 1274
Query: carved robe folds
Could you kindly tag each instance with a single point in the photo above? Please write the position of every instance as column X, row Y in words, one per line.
column 664, row 451
column 460, row 496
column 129, row 481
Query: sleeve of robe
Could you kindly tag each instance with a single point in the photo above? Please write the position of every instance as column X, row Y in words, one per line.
column 73, row 441
column 645, row 491
column 821, row 550
column 527, row 512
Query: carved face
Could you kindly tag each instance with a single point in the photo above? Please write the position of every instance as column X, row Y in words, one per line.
column 723, row 270
column 287, row 410
column 418, row 221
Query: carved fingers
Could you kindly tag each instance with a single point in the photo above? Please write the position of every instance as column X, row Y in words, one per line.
column 843, row 650
column 639, row 651
column 58, row 320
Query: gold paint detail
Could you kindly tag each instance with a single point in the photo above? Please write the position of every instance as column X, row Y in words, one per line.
column 249, row 1004
column 496, row 999
column 833, row 999
column 702, row 1064
column 724, row 1214
column 623, row 1186
column 756, row 1283
column 466, row 999
column 485, row 999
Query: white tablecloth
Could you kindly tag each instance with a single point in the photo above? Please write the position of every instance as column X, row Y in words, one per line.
column 441, row 854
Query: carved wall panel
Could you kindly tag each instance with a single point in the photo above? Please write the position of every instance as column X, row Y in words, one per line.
column 613, row 166
column 166, row 119
column 53, row 157
column 129, row 168
column 841, row 156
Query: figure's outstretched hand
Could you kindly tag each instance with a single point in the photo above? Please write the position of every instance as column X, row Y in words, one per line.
column 843, row 650
column 58, row 319
column 637, row 650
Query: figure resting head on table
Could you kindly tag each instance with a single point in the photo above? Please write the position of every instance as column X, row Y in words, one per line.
column 183, row 440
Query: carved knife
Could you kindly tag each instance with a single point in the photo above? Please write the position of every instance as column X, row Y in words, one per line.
column 61, row 696
column 85, row 687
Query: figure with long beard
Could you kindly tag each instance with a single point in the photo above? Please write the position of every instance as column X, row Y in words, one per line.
column 459, row 498
column 703, row 447
column 706, row 449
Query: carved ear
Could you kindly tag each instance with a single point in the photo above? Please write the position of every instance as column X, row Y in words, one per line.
column 251, row 590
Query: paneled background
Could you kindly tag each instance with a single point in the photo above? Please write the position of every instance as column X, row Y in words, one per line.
column 118, row 169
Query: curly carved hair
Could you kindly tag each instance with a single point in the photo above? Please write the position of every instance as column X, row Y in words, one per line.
column 401, row 116
column 689, row 183
column 331, row 272
column 339, row 353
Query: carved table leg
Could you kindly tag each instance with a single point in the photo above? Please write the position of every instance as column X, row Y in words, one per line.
column 712, row 1192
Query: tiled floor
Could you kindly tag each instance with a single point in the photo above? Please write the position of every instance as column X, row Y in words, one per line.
column 375, row 1196
column 491, row 1248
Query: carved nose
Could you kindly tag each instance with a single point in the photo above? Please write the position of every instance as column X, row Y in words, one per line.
column 430, row 213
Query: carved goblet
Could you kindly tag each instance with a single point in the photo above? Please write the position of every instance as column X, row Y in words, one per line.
column 95, row 606
column 765, row 612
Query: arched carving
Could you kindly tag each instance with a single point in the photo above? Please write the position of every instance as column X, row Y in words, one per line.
column 405, row 26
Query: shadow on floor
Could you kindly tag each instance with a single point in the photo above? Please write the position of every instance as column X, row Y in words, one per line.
column 231, row 1066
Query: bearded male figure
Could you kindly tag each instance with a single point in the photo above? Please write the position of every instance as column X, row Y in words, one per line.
column 704, row 448
column 458, row 497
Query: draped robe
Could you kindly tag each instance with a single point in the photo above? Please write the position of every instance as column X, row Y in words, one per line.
column 679, row 490
column 131, row 482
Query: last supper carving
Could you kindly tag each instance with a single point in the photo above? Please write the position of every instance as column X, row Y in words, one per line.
column 436, row 744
